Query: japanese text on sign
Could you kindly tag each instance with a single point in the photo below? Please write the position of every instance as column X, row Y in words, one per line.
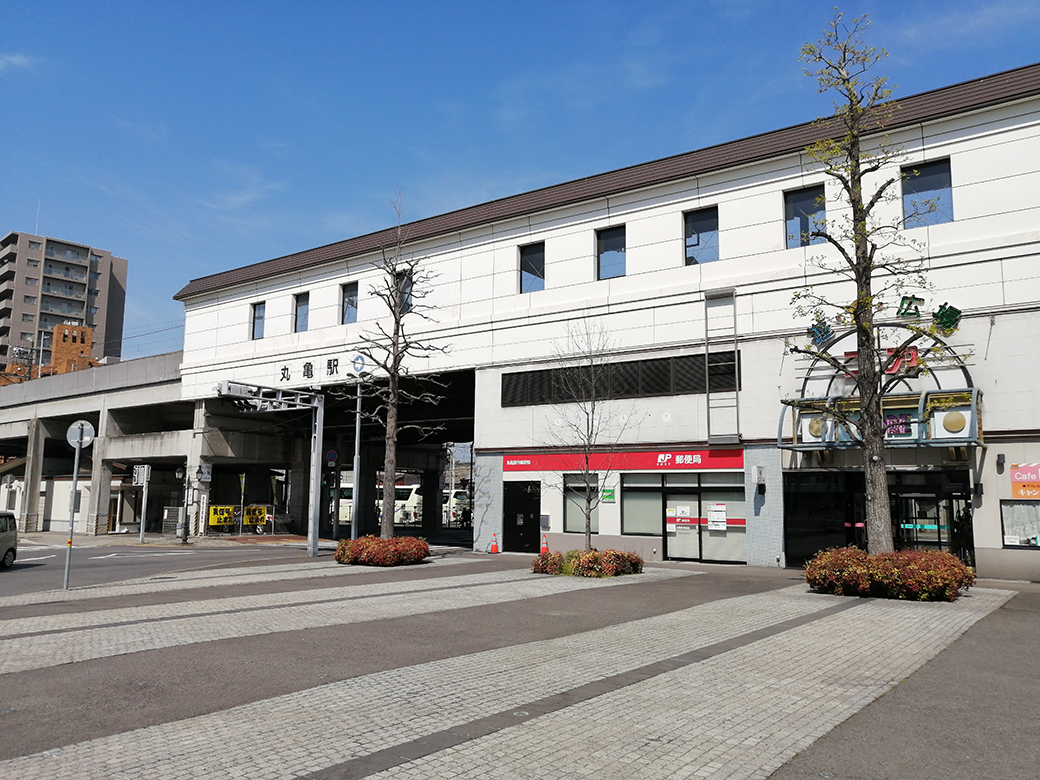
column 222, row 515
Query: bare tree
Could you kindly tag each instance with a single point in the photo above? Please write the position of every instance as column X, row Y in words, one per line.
column 868, row 247
column 390, row 347
column 585, row 419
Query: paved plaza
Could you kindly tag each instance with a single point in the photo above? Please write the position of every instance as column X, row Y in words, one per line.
column 466, row 667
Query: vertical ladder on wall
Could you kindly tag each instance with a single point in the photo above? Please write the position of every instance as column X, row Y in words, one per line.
column 721, row 375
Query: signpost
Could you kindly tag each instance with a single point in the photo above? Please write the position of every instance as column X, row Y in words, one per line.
column 79, row 435
column 142, row 475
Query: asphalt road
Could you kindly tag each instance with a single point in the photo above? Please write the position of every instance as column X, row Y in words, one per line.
column 42, row 567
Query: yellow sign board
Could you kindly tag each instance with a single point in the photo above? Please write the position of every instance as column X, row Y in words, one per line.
column 222, row 515
column 255, row 515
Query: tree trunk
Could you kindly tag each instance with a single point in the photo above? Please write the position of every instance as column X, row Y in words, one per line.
column 877, row 512
column 386, row 520
column 588, row 513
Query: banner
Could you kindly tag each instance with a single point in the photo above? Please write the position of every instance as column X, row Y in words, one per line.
column 651, row 460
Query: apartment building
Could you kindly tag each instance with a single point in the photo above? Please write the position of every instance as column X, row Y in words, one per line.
column 46, row 283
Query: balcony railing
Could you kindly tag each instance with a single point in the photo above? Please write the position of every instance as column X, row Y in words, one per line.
column 64, row 292
column 61, row 308
column 61, row 273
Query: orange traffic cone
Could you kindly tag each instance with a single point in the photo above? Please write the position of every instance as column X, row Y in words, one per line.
column 545, row 544
column 494, row 543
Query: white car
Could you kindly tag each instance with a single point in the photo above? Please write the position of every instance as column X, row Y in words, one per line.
column 8, row 539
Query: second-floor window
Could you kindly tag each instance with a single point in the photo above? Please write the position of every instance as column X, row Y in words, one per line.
column 702, row 235
column 532, row 267
column 303, row 303
column 350, row 302
column 258, row 320
column 610, row 252
column 927, row 194
column 804, row 212
column 404, row 284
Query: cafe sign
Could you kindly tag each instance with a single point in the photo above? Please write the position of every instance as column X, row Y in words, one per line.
column 1025, row 480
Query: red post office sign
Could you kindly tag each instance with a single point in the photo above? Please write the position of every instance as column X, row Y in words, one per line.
column 651, row 460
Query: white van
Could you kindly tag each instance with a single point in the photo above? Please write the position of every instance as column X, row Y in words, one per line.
column 8, row 539
column 455, row 508
column 407, row 504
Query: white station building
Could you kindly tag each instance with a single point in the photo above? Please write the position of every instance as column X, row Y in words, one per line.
column 689, row 266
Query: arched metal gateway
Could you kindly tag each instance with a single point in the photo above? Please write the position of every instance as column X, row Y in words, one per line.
column 934, row 440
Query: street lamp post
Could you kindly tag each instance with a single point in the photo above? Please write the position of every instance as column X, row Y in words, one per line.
column 357, row 461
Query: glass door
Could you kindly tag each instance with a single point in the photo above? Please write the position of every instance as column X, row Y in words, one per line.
column 682, row 526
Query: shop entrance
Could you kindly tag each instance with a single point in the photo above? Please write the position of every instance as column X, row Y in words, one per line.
column 931, row 510
column 521, row 509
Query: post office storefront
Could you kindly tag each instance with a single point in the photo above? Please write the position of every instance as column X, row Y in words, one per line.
column 678, row 504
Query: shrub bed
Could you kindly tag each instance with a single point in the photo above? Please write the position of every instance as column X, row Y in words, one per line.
column 373, row 551
column 575, row 563
column 916, row 575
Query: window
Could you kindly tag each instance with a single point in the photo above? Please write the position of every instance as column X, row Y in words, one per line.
column 31, row 281
column 574, row 503
column 95, row 293
column 404, row 291
column 30, row 299
column 681, row 375
column 804, row 212
column 35, row 245
column 32, row 263
column 258, row 320
column 26, row 317
column 532, row 268
column 702, row 235
column 641, row 513
column 303, row 302
column 26, row 336
column 610, row 252
column 1021, row 523
column 350, row 302
column 927, row 194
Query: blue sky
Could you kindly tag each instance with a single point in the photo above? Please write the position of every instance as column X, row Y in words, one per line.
column 195, row 137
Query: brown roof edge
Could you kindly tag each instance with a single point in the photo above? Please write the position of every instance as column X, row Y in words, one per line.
column 1004, row 87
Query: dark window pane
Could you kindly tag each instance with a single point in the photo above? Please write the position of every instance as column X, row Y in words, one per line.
column 804, row 211
column 539, row 387
column 514, row 389
column 350, row 303
column 532, row 268
column 625, row 380
column 303, row 303
column 258, row 320
column 657, row 377
column 927, row 194
column 689, row 374
column 702, row 236
column 610, row 252
column 722, row 372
